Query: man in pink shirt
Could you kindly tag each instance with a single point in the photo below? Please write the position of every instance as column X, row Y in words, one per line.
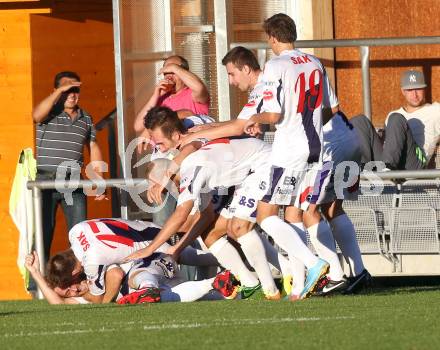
column 180, row 90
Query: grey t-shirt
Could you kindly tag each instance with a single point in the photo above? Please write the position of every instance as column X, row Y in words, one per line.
column 60, row 139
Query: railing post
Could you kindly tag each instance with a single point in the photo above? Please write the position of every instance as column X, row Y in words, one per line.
column 222, row 18
column 262, row 57
column 366, row 88
column 39, row 241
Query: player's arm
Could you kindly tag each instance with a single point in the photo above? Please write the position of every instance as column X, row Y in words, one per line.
column 96, row 279
column 32, row 264
column 225, row 129
column 261, row 118
column 206, row 219
column 172, row 226
column 113, row 281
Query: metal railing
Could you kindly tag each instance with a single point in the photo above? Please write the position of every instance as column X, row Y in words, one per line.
column 364, row 50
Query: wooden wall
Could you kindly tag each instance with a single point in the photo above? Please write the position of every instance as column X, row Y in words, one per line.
column 75, row 35
column 386, row 18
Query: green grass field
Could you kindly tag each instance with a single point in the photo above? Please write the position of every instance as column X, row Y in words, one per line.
column 397, row 318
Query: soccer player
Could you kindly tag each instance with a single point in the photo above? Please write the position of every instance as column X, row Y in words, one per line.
column 244, row 73
column 121, row 283
column 99, row 243
column 224, row 163
column 296, row 90
column 342, row 152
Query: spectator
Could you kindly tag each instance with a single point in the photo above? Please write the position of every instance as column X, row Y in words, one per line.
column 62, row 130
column 183, row 92
column 179, row 90
column 411, row 132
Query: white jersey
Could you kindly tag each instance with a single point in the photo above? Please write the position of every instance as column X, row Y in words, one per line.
column 188, row 122
column 340, row 139
column 221, row 163
column 297, row 87
column 99, row 243
column 255, row 100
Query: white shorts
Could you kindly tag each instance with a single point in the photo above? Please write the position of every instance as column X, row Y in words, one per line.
column 160, row 266
column 291, row 187
column 219, row 198
column 245, row 200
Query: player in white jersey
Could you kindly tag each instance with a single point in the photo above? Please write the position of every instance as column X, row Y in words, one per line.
column 137, row 285
column 343, row 151
column 244, row 73
column 296, row 90
column 224, row 163
column 100, row 243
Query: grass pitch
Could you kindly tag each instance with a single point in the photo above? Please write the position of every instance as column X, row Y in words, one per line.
column 399, row 318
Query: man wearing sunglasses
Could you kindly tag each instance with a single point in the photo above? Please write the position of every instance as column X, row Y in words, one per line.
column 62, row 131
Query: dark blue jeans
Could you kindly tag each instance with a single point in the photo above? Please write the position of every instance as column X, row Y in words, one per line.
column 74, row 213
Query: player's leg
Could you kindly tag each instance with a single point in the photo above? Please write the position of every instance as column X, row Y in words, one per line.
column 345, row 235
column 279, row 262
column 254, row 251
column 226, row 254
column 186, row 291
column 294, row 217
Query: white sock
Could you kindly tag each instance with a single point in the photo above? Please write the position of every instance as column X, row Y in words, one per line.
column 275, row 258
column 324, row 244
column 254, row 251
column 187, row 291
column 287, row 238
column 345, row 235
column 196, row 257
column 297, row 266
column 229, row 258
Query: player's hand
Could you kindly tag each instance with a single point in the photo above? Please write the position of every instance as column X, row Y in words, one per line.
column 184, row 140
column 173, row 252
column 255, row 130
column 154, row 193
column 249, row 126
column 143, row 141
column 32, row 263
column 101, row 197
column 139, row 254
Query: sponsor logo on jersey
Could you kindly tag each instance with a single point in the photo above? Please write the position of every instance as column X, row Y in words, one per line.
column 267, row 95
column 251, row 103
column 284, row 191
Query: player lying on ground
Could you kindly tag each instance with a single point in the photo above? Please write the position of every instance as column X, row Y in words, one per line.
column 97, row 244
column 144, row 282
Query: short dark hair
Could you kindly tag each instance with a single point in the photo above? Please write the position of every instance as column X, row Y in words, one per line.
column 165, row 119
column 239, row 56
column 280, row 27
column 65, row 74
column 183, row 61
column 60, row 269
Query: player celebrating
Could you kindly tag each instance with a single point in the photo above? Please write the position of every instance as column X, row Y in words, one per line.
column 100, row 243
column 296, row 90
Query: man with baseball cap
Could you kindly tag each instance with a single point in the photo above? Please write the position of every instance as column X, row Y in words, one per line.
column 411, row 132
